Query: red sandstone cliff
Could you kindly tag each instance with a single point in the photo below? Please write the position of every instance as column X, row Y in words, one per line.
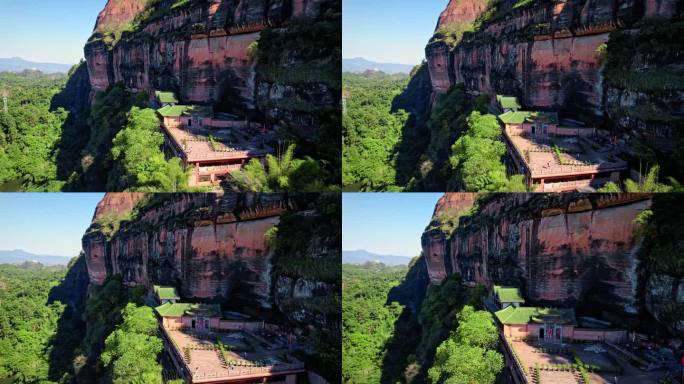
column 210, row 246
column 199, row 50
column 461, row 11
column 434, row 240
column 553, row 244
column 567, row 250
column 119, row 12
column 544, row 53
column 116, row 203
column 214, row 247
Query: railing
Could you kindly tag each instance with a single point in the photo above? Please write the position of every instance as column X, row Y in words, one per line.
column 248, row 371
column 233, row 370
column 514, row 356
column 219, row 168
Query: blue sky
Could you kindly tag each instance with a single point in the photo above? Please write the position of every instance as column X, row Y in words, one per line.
column 389, row 31
column 46, row 223
column 47, row 30
column 386, row 223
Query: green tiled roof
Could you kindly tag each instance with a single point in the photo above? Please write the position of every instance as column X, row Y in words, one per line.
column 166, row 293
column 508, row 294
column 543, row 117
column 188, row 309
column 172, row 110
column 526, row 315
column 520, row 117
column 166, row 97
column 514, row 117
column 510, row 102
column 186, row 110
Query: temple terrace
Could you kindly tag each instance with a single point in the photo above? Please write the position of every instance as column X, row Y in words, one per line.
column 557, row 155
column 211, row 144
column 207, row 345
column 554, row 345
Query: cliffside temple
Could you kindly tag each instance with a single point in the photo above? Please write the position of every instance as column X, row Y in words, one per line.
column 557, row 155
column 226, row 314
column 212, row 145
column 208, row 346
column 562, row 273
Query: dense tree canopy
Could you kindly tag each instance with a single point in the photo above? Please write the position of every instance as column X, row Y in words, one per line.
column 27, row 322
column 140, row 163
column 371, row 131
column 468, row 355
column 281, row 173
column 465, row 364
column 131, row 350
column 30, row 132
column 367, row 320
column 477, row 158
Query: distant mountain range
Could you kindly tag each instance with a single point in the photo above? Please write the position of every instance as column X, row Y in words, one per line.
column 19, row 256
column 358, row 65
column 17, row 64
column 362, row 256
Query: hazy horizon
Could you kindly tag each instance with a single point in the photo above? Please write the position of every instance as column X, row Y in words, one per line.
column 46, row 223
column 389, row 31
column 376, row 61
column 386, row 223
column 47, row 31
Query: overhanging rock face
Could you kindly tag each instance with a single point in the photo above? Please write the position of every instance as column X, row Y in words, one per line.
column 561, row 250
column 209, row 245
column 199, row 51
column 544, row 53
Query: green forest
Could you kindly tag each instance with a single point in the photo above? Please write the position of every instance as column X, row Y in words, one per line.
column 457, row 146
column 28, row 322
column 43, row 148
column 30, row 132
column 367, row 320
column 371, row 132
column 392, row 335
column 50, row 333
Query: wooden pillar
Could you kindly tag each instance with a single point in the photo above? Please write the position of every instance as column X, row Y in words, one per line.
column 541, row 181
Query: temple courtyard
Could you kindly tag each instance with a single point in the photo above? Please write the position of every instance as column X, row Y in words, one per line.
column 556, row 363
column 565, row 163
column 235, row 356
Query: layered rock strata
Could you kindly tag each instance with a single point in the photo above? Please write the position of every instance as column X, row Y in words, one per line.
column 209, row 246
column 559, row 249
column 544, row 53
column 200, row 50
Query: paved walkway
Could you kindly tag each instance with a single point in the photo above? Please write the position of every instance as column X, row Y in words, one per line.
column 530, row 355
column 252, row 356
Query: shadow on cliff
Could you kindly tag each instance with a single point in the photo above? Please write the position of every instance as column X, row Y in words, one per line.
column 401, row 347
column 415, row 136
column 74, row 98
column 71, row 292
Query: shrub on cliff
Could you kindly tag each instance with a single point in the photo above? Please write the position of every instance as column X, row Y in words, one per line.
column 662, row 232
column 452, row 34
column 463, row 363
column 657, row 42
column 477, row 159
column 130, row 354
column 281, row 173
column 468, row 355
column 140, row 164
